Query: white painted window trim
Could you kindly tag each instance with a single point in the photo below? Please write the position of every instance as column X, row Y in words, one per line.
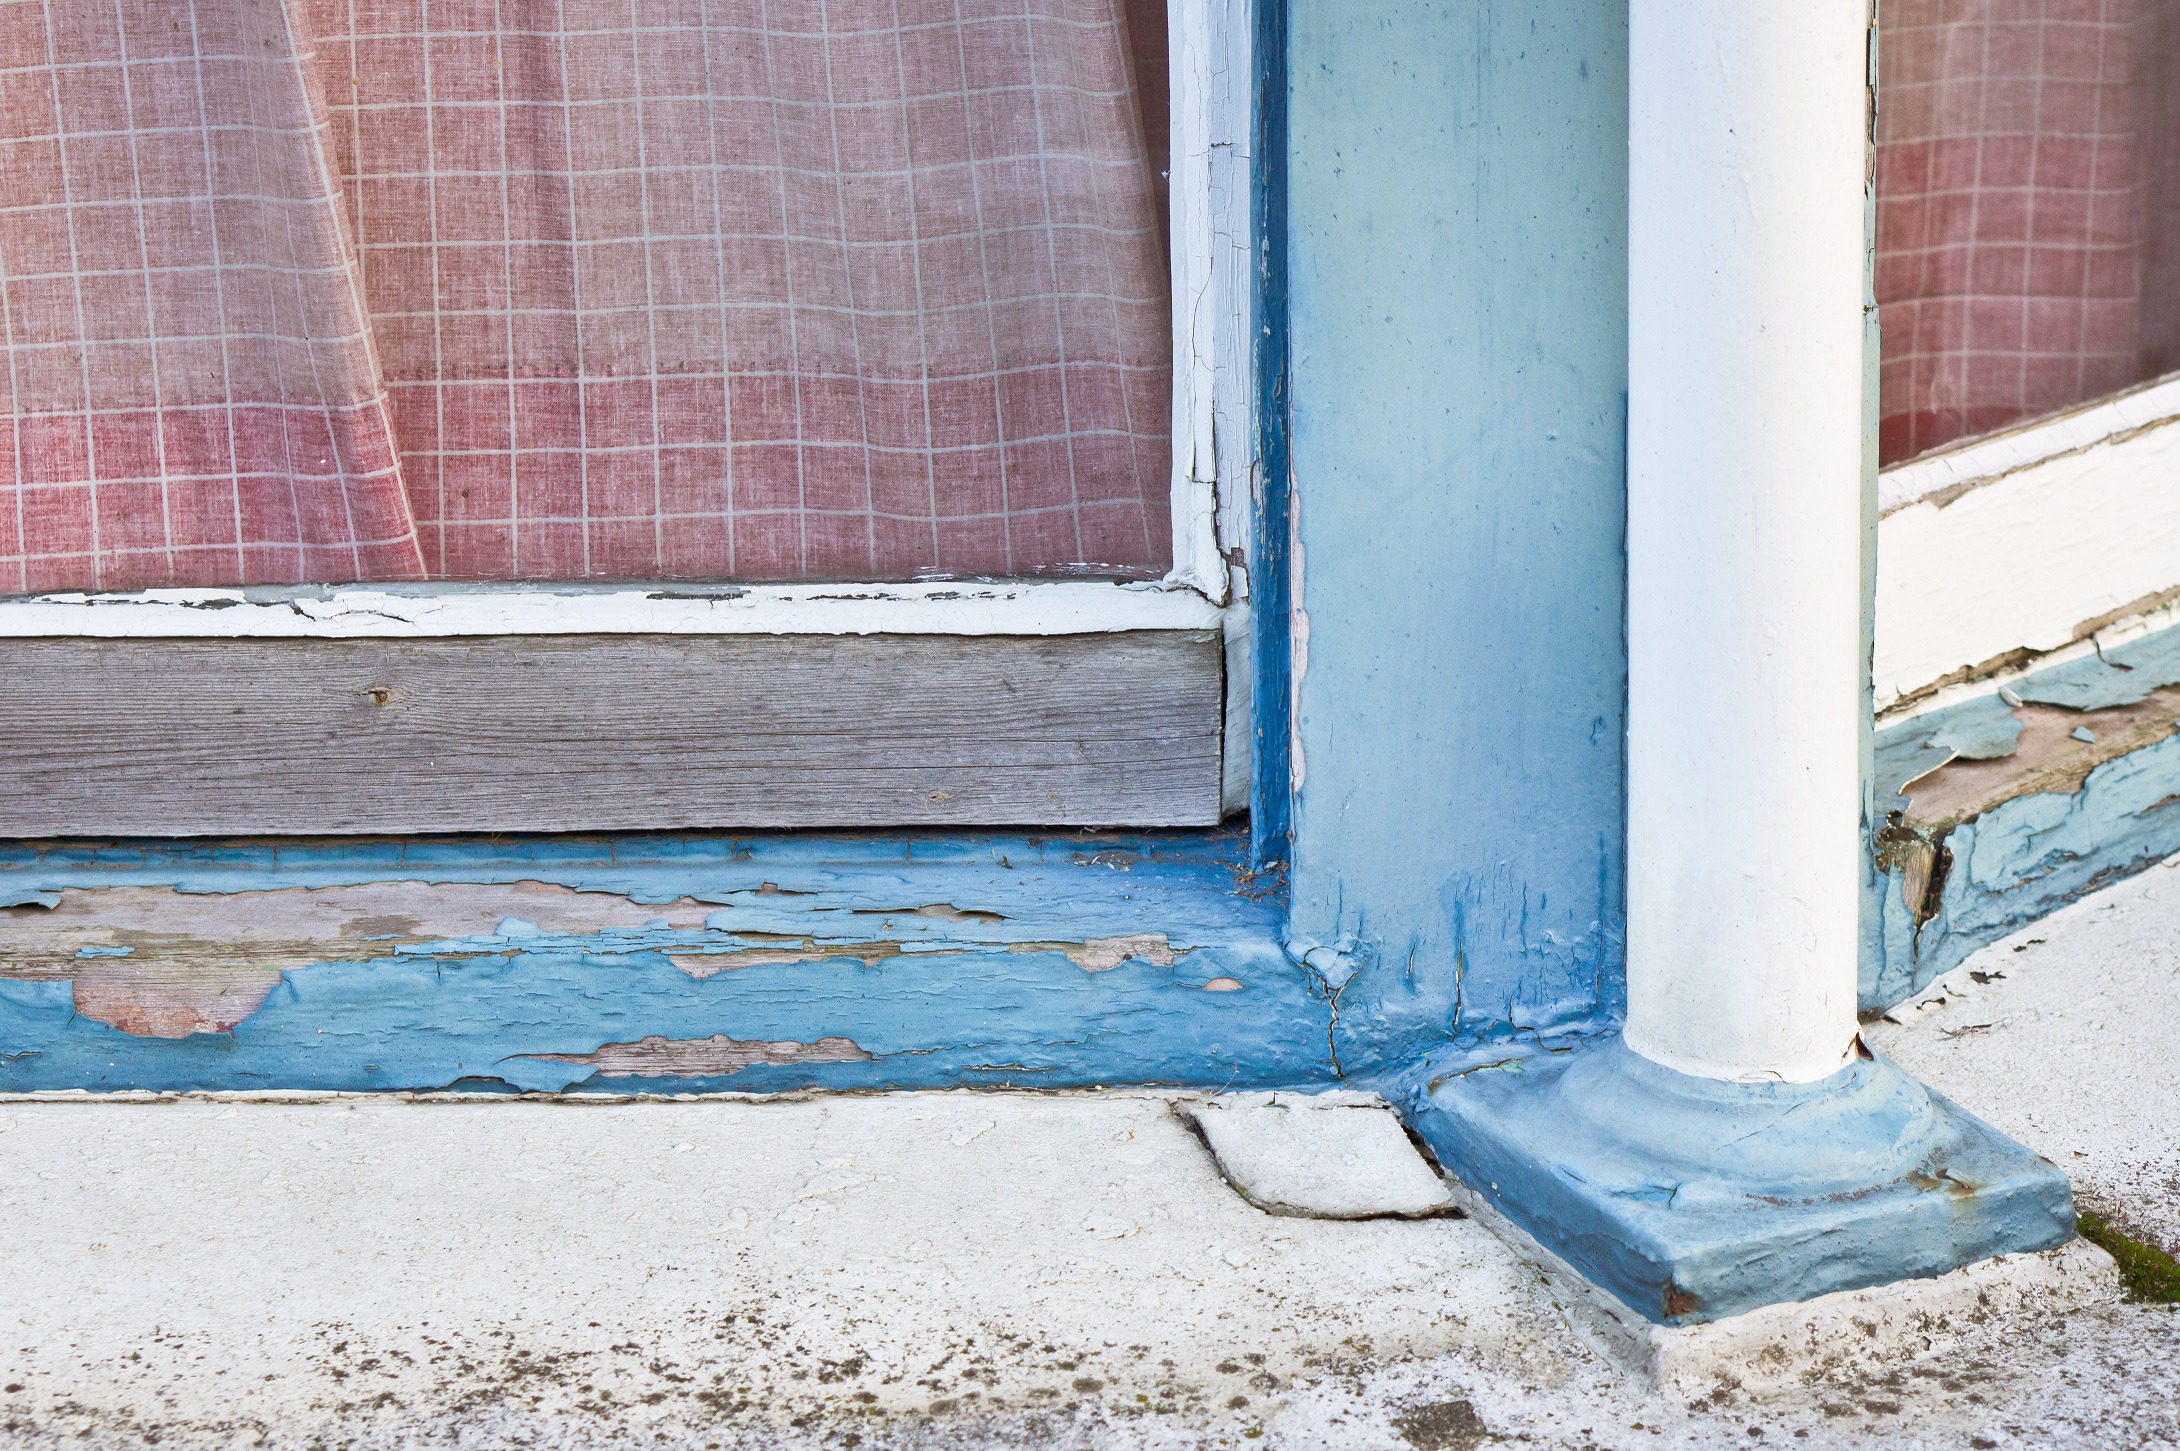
column 1070, row 607
column 1990, row 457
column 1215, row 457
column 2022, row 548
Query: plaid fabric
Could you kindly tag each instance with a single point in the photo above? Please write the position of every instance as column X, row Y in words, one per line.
column 555, row 289
column 189, row 381
column 2014, row 144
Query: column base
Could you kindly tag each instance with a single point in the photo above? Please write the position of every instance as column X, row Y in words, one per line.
column 1692, row 1199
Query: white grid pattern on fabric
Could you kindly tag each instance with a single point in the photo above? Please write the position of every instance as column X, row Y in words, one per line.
column 653, row 288
column 190, row 389
column 2010, row 211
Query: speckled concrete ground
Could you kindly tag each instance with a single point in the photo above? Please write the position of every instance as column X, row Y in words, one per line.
column 967, row 1271
column 2095, row 987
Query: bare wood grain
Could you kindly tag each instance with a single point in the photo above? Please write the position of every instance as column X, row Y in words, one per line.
column 198, row 738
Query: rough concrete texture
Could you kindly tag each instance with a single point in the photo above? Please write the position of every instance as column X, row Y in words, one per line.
column 969, row 1271
column 1841, row 1337
column 2067, row 1036
column 1319, row 1155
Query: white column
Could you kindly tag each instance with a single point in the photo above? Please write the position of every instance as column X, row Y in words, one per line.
column 1746, row 238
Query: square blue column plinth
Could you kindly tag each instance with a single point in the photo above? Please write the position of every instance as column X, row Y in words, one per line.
column 1693, row 1199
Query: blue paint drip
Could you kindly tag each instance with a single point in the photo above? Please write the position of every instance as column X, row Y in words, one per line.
column 1457, row 262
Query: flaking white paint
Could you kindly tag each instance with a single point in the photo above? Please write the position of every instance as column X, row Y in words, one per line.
column 1214, row 295
column 2119, row 632
column 1195, row 332
column 1990, row 457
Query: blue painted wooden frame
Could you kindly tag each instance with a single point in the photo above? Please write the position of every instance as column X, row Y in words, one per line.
column 1062, row 961
column 1456, row 233
column 1435, row 860
column 1271, row 801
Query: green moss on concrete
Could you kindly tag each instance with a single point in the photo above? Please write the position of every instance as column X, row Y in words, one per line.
column 2150, row 1274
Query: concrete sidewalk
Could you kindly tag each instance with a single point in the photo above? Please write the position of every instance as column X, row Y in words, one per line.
column 968, row 1270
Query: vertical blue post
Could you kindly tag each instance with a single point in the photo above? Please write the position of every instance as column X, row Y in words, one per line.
column 1271, row 800
column 1730, row 1148
column 1457, row 215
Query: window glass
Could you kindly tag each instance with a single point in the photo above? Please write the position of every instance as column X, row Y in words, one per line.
column 2028, row 218
column 305, row 291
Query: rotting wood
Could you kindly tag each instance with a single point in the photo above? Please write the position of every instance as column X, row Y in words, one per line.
column 607, row 733
column 2049, row 757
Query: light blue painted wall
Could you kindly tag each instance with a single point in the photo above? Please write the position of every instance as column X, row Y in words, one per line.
column 1457, row 245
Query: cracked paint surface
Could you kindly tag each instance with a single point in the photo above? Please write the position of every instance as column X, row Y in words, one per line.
column 704, row 1057
column 675, row 963
column 1458, row 832
column 2005, row 807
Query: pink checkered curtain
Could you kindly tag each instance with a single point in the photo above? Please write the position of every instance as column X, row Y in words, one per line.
column 639, row 289
column 189, row 384
column 2027, row 257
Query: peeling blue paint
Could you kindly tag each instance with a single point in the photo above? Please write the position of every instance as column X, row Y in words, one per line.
column 2023, row 858
column 1980, row 730
column 986, row 994
column 2122, row 675
column 424, row 1021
